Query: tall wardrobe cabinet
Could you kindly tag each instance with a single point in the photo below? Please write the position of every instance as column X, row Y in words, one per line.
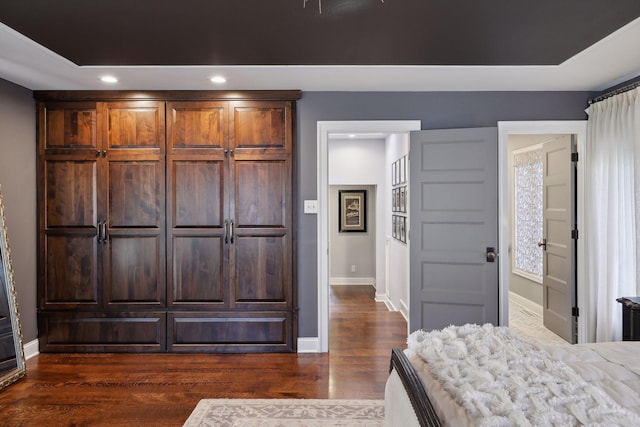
column 166, row 221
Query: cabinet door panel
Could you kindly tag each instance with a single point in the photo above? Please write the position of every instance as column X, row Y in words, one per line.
column 261, row 268
column 136, row 270
column 197, row 125
column 230, row 332
column 71, row 270
column 135, row 125
column 198, row 269
column 198, row 188
column 70, row 193
column 261, row 125
column 135, row 193
column 262, row 193
column 102, row 332
column 70, row 126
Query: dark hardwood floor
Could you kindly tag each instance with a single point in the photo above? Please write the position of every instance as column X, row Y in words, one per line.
column 163, row 389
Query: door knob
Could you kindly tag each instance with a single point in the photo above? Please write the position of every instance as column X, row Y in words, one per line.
column 543, row 244
column 491, row 254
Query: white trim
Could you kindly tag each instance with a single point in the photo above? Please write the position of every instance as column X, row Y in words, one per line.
column 404, row 309
column 309, row 345
column 323, row 130
column 31, row 349
column 525, row 274
column 351, row 281
column 387, row 301
column 526, row 303
column 526, row 149
column 578, row 128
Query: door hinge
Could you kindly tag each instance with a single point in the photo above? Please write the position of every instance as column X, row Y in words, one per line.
column 574, row 157
column 575, row 312
column 574, row 233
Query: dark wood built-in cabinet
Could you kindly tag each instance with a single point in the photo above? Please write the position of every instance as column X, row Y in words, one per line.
column 166, row 222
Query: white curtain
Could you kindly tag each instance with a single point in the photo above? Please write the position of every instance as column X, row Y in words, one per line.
column 612, row 197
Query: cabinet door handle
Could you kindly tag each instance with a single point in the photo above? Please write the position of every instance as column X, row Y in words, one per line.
column 231, row 232
column 104, row 232
column 226, row 234
column 99, row 232
column 230, row 153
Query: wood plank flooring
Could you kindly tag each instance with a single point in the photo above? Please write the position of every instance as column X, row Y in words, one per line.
column 163, row 389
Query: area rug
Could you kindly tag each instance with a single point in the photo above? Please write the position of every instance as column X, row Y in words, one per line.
column 286, row 412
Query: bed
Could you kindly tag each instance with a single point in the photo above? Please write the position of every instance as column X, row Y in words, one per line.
column 489, row 376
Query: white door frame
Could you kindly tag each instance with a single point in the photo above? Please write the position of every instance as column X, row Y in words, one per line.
column 575, row 127
column 324, row 129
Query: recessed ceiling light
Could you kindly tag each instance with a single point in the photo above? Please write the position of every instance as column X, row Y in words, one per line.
column 218, row 79
column 352, row 135
column 109, row 79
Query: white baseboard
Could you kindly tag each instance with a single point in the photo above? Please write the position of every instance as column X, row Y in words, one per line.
column 404, row 309
column 390, row 306
column 31, row 349
column 526, row 303
column 352, row 281
column 309, row 345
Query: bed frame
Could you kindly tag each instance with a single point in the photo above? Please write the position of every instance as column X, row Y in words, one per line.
column 415, row 390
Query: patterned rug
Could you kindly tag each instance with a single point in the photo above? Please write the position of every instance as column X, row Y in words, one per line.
column 286, row 412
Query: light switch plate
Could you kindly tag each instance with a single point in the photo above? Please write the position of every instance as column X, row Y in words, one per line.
column 311, row 206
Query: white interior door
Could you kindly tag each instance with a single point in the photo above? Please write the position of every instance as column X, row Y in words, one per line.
column 454, row 228
column 558, row 204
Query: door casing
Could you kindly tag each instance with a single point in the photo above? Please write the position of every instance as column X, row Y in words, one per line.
column 324, row 128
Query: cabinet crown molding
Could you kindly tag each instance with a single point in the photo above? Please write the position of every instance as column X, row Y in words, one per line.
column 165, row 95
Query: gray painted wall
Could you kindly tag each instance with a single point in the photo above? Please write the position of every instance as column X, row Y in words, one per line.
column 18, row 180
column 437, row 110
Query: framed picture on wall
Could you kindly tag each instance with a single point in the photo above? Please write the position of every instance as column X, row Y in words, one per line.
column 393, row 173
column 394, row 206
column 403, row 176
column 403, row 229
column 352, row 208
column 403, row 206
column 394, row 221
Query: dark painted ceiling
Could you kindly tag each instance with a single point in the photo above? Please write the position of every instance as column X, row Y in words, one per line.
column 347, row 32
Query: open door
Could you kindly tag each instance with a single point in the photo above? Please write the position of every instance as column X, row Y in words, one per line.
column 454, row 228
column 558, row 231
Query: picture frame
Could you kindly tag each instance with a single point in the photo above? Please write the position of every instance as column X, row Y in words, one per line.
column 403, row 175
column 397, row 175
column 352, row 211
column 394, row 220
column 403, row 194
column 13, row 366
column 394, row 206
column 393, row 173
column 403, row 229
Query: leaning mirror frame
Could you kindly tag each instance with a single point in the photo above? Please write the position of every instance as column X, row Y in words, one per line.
column 6, row 271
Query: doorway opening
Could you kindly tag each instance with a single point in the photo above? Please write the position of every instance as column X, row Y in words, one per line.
column 325, row 129
column 535, row 131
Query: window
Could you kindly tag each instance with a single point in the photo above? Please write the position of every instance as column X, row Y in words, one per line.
column 527, row 212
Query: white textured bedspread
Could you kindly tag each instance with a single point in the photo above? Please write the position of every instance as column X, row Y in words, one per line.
column 496, row 379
